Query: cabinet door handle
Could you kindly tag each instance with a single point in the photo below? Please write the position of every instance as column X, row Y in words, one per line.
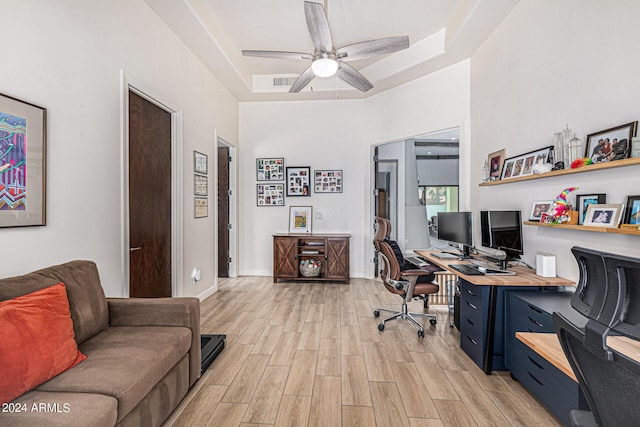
column 475, row 343
column 471, row 305
column 472, row 324
column 134, row 249
column 470, row 293
column 535, row 322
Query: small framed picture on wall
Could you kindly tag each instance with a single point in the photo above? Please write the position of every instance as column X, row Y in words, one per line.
column 298, row 181
column 327, row 181
column 270, row 194
column 270, row 169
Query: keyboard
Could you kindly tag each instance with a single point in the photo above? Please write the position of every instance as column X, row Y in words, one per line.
column 466, row 269
column 418, row 262
column 444, row 255
column 474, row 270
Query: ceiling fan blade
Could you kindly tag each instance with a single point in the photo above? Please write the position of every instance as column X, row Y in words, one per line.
column 304, row 79
column 277, row 54
column 318, row 26
column 369, row 48
column 352, row 76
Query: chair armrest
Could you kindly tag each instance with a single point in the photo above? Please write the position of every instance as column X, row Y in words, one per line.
column 179, row 312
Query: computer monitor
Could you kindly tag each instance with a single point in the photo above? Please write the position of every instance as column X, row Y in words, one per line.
column 457, row 227
column 502, row 230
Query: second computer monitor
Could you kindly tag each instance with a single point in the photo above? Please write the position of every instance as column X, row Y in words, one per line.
column 456, row 227
column 502, row 230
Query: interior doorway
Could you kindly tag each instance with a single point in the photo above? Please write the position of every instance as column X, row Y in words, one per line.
column 149, row 199
column 152, row 210
column 226, row 210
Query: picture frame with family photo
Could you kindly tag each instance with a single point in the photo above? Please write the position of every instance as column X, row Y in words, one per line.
column 522, row 165
column 610, row 144
column 603, row 215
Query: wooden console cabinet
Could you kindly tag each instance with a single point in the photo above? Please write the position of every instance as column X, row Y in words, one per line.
column 332, row 250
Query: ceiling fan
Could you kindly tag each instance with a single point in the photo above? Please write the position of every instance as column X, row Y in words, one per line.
column 327, row 60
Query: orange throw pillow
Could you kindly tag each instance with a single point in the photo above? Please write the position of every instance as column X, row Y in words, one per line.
column 36, row 340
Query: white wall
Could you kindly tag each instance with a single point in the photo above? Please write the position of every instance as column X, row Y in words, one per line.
column 339, row 135
column 66, row 56
column 319, row 134
column 550, row 64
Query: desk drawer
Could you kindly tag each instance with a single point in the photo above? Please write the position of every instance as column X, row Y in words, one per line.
column 471, row 293
column 556, row 390
column 472, row 346
column 527, row 317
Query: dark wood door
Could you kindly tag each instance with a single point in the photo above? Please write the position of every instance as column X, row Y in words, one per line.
column 223, row 211
column 284, row 257
column 149, row 199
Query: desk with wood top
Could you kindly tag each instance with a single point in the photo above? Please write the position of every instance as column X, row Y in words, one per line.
column 548, row 346
column 492, row 285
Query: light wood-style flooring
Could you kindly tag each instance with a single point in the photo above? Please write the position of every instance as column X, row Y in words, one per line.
column 310, row 354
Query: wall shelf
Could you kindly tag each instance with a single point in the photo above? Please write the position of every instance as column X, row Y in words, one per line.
column 586, row 228
column 589, row 168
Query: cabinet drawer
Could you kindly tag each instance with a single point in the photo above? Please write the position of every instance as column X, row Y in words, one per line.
column 527, row 317
column 473, row 347
column 471, row 293
column 556, row 390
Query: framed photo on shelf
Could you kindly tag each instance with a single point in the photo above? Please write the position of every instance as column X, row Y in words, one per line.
column 23, row 162
column 201, row 207
column 584, row 200
column 270, row 169
column 494, row 160
column 603, row 215
column 200, row 185
column 300, row 219
column 270, row 194
column 538, row 208
column 327, row 181
column 522, row 165
column 632, row 210
column 298, row 181
column 610, row 144
column 200, row 163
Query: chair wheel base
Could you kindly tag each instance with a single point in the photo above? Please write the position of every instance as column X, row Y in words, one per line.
column 421, row 334
column 376, row 313
column 433, row 322
column 381, row 327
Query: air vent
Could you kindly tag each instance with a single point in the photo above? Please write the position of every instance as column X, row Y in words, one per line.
column 284, row 81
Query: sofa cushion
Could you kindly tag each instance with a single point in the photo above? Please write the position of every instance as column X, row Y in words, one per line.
column 36, row 340
column 124, row 362
column 87, row 302
column 41, row 408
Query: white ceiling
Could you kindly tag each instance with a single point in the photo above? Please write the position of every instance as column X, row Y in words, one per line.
column 441, row 33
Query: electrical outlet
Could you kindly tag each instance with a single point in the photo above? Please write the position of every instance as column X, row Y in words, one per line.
column 318, row 215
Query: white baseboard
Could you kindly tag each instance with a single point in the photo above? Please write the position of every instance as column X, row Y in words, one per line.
column 206, row 294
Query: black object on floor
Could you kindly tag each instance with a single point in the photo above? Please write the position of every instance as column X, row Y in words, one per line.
column 210, row 347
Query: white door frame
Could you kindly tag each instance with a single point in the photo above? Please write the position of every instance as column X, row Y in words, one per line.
column 127, row 83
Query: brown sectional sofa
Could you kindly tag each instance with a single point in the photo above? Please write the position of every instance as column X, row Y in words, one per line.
column 142, row 355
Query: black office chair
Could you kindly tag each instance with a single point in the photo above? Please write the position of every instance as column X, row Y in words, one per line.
column 608, row 294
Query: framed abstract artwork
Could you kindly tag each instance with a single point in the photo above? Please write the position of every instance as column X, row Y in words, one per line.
column 23, row 133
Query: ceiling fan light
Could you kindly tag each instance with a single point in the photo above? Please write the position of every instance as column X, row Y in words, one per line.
column 324, row 67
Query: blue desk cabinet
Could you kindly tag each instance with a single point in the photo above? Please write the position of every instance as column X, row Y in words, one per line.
column 475, row 323
column 531, row 311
